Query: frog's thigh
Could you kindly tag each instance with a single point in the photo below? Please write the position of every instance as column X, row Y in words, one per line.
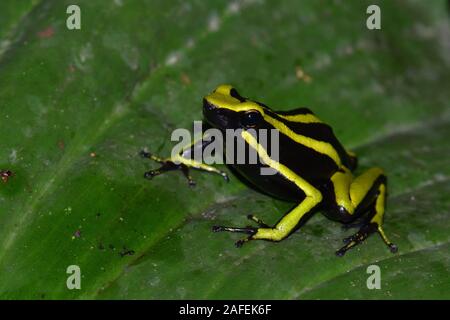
column 364, row 183
column 342, row 181
column 354, row 194
column 289, row 222
column 368, row 194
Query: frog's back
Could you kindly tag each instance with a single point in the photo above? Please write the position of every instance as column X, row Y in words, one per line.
column 314, row 168
column 310, row 150
column 308, row 146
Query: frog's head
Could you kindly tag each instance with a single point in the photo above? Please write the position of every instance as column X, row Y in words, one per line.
column 225, row 108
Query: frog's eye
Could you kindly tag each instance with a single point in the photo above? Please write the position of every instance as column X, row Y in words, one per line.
column 251, row 118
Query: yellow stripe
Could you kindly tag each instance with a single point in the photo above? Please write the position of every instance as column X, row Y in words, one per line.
column 319, row 146
column 224, row 89
column 228, row 102
column 307, row 188
column 303, row 118
column 221, row 99
column 290, row 221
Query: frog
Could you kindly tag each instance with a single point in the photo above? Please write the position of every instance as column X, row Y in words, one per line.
column 312, row 170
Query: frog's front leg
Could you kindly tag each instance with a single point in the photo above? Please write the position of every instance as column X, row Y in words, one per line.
column 289, row 222
column 183, row 162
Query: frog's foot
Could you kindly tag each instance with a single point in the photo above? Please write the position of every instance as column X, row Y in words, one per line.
column 251, row 231
column 248, row 230
column 167, row 165
column 357, row 238
column 363, row 233
column 182, row 164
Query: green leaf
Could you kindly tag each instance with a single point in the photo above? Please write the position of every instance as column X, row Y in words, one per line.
column 77, row 107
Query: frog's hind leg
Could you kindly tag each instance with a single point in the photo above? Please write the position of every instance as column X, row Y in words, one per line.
column 312, row 197
column 290, row 222
column 368, row 195
column 248, row 230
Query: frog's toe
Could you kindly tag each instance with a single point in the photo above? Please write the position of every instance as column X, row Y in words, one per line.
column 240, row 243
column 260, row 222
column 144, row 154
column 247, row 230
column 217, row 229
column 347, row 240
column 341, row 252
column 150, row 174
column 393, row 248
column 350, row 244
column 356, row 238
column 225, row 176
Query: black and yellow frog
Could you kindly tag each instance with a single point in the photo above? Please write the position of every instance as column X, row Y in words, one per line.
column 313, row 169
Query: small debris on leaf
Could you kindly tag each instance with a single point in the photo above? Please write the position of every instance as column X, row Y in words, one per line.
column 76, row 234
column 302, row 75
column 126, row 252
column 185, row 79
column 46, row 33
column 5, row 175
